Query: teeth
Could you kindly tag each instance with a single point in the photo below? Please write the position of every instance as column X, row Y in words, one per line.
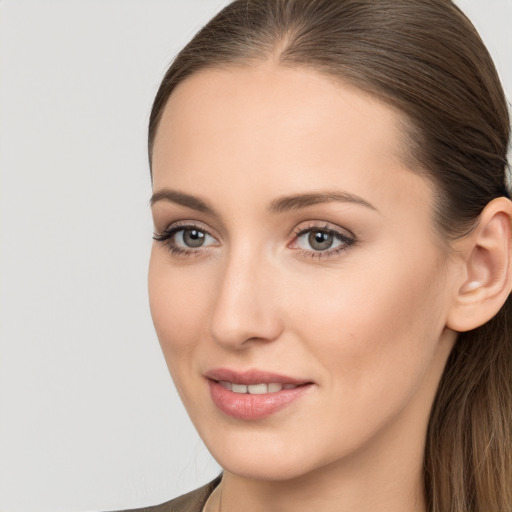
column 239, row 388
column 256, row 389
column 226, row 384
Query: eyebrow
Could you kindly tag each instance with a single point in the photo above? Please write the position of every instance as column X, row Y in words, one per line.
column 279, row 205
column 173, row 196
column 300, row 201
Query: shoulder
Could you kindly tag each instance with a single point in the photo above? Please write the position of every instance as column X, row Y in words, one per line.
column 191, row 502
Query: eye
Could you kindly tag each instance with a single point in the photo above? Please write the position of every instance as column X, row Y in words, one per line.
column 319, row 240
column 322, row 241
column 185, row 240
column 192, row 238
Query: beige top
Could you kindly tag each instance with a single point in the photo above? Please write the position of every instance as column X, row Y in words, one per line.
column 191, row 502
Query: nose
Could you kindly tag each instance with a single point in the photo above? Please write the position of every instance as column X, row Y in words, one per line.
column 245, row 310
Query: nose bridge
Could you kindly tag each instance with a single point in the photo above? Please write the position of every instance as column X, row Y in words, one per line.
column 244, row 308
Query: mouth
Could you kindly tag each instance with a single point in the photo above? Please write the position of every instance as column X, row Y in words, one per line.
column 256, row 389
column 254, row 394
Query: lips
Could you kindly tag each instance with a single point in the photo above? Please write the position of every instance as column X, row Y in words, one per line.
column 252, row 377
column 254, row 394
column 256, row 389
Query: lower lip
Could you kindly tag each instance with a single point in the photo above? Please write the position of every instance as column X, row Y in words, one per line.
column 244, row 406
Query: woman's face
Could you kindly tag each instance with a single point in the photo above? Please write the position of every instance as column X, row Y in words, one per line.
column 298, row 288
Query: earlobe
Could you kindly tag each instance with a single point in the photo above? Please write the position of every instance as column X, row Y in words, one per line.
column 487, row 260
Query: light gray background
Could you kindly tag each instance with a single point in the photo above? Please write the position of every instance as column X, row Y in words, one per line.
column 89, row 419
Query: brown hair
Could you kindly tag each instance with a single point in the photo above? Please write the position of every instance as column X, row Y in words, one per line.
column 426, row 58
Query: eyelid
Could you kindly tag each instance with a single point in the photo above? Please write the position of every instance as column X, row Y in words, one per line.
column 186, row 224
column 323, row 226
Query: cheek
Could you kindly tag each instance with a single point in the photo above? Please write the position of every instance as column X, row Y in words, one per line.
column 177, row 309
column 374, row 331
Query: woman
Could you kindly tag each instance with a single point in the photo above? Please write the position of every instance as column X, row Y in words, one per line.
column 331, row 269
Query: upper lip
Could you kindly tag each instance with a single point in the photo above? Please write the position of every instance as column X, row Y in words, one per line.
column 251, row 377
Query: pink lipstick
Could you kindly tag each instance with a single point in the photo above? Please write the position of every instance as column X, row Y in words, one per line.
column 254, row 394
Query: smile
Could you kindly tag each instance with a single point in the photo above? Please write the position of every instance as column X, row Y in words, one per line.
column 256, row 389
column 253, row 395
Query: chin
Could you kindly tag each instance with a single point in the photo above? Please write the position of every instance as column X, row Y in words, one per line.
column 257, row 458
column 268, row 470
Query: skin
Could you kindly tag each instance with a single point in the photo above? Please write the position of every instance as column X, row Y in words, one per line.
column 367, row 325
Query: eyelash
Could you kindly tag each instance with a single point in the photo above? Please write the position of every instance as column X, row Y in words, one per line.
column 166, row 237
column 347, row 241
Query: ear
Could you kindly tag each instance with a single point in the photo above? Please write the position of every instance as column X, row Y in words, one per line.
column 486, row 260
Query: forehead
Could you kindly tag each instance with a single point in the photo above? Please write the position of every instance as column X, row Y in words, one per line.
column 265, row 97
column 284, row 129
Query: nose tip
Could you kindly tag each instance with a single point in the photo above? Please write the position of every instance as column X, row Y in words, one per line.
column 235, row 333
column 244, row 312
